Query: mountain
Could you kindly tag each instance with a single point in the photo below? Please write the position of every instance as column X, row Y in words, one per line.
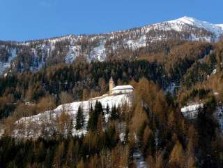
column 36, row 54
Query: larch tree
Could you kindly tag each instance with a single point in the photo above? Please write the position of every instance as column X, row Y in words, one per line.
column 177, row 155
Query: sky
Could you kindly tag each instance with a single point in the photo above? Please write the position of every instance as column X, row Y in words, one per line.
column 22, row 20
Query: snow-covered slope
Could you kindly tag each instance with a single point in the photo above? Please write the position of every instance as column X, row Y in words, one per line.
column 219, row 117
column 214, row 28
column 46, row 124
column 6, row 64
column 33, row 55
column 193, row 29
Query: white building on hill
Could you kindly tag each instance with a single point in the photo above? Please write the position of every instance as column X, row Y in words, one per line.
column 121, row 89
column 191, row 111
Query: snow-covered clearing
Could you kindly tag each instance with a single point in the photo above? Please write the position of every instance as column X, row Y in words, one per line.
column 44, row 124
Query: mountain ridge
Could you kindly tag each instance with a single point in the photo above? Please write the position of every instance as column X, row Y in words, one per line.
column 184, row 19
column 34, row 54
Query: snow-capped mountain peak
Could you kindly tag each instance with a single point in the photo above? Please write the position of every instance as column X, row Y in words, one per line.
column 220, row 25
column 187, row 20
column 214, row 28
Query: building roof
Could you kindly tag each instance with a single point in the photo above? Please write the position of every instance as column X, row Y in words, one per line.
column 123, row 87
column 192, row 107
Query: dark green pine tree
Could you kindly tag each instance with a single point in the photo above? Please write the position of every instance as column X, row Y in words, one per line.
column 94, row 114
column 98, row 108
column 107, row 109
column 79, row 118
column 114, row 113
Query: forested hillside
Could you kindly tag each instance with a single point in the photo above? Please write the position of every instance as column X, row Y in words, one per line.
column 164, row 136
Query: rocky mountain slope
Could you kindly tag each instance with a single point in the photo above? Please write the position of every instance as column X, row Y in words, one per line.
column 34, row 55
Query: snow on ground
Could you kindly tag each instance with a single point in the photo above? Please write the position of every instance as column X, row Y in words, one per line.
column 137, row 155
column 185, row 22
column 139, row 159
column 44, row 124
column 135, row 44
column 98, row 53
column 38, row 64
column 171, row 88
column 63, row 38
column 220, row 25
column 73, row 53
column 5, row 65
column 214, row 71
column 214, row 28
column 201, row 38
column 219, row 117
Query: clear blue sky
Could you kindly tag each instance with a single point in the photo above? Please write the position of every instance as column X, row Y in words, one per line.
column 35, row 19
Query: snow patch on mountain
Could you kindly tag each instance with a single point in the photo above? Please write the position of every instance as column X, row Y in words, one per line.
column 200, row 38
column 219, row 117
column 74, row 52
column 220, row 25
column 135, row 44
column 5, row 65
column 98, row 53
column 217, row 29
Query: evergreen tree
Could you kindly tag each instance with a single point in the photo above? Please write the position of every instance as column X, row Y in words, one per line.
column 98, row 108
column 114, row 113
column 94, row 114
column 107, row 109
column 79, row 118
